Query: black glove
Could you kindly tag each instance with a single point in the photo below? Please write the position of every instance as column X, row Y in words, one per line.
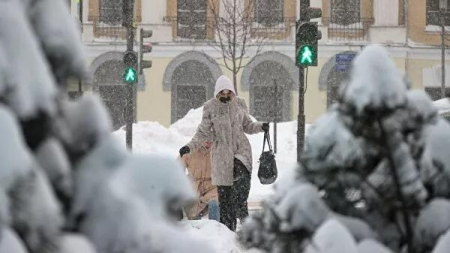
column 265, row 127
column 184, row 150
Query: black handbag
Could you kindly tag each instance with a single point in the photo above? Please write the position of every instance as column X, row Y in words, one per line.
column 267, row 172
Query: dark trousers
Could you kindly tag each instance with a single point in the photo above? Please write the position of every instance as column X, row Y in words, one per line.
column 233, row 199
column 227, row 206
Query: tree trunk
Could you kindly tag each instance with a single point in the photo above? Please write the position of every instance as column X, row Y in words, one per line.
column 398, row 189
column 235, row 82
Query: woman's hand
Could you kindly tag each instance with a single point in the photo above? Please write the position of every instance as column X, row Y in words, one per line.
column 265, row 127
column 184, row 150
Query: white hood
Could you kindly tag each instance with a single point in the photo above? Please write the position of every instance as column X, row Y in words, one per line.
column 223, row 83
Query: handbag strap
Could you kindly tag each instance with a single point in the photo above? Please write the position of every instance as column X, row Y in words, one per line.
column 267, row 139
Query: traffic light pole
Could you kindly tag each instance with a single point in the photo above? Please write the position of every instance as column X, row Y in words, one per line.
column 276, row 116
column 306, row 48
column 129, row 103
column 301, row 113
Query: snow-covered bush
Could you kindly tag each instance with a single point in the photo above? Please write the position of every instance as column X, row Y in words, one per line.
column 379, row 160
column 66, row 184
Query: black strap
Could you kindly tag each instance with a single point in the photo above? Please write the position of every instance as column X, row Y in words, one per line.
column 267, row 138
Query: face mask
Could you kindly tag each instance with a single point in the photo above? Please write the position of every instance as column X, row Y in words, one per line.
column 225, row 99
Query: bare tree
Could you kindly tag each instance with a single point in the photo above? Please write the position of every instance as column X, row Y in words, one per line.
column 236, row 31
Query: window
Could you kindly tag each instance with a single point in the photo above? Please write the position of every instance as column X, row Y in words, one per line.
column 269, row 12
column 192, row 80
column 115, row 98
column 111, row 12
column 189, row 97
column 435, row 92
column 191, row 19
column 433, row 15
column 345, row 12
column 268, row 103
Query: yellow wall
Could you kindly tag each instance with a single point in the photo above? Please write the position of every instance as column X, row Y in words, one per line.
column 417, row 21
column 153, row 104
column 315, row 100
column 415, row 71
column 400, row 63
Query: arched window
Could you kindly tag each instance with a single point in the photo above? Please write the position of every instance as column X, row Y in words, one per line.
column 112, row 91
column 191, row 19
column 270, row 92
column 334, row 73
column 192, row 80
column 111, row 12
column 269, row 12
column 334, row 82
column 345, row 12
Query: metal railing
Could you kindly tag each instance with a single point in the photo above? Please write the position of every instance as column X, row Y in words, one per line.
column 190, row 30
column 279, row 29
column 275, row 29
column 354, row 31
column 434, row 17
column 105, row 27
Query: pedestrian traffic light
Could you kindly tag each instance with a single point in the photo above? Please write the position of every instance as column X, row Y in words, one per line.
column 130, row 62
column 130, row 75
column 306, row 55
column 143, row 64
column 308, row 35
column 306, row 44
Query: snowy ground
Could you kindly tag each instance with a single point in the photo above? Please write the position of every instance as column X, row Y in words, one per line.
column 151, row 137
column 443, row 105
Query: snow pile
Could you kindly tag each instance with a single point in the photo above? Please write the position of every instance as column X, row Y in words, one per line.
column 66, row 184
column 379, row 160
column 30, row 88
column 443, row 105
column 72, row 243
column 212, row 231
column 382, row 91
column 187, row 126
column 154, row 138
column 444, row 244
column 371, row 246
column 332, row 237
column 428, row 229
column 308, row 213
column 10, row 242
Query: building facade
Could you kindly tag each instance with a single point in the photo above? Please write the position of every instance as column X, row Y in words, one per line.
column 186, row 64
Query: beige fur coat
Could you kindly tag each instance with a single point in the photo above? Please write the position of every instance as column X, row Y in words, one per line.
column 228, row 124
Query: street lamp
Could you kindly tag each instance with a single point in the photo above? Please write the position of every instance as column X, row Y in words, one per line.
column 442, row 11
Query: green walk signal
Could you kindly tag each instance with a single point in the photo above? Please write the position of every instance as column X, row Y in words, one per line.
column 306, row 56
column 130, row 75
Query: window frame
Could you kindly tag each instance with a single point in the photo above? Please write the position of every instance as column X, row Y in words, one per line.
column 276, row 21
column 432, row 13
column 336, row 18
column 435, row 92
column 189, row 13
column 116, row 12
